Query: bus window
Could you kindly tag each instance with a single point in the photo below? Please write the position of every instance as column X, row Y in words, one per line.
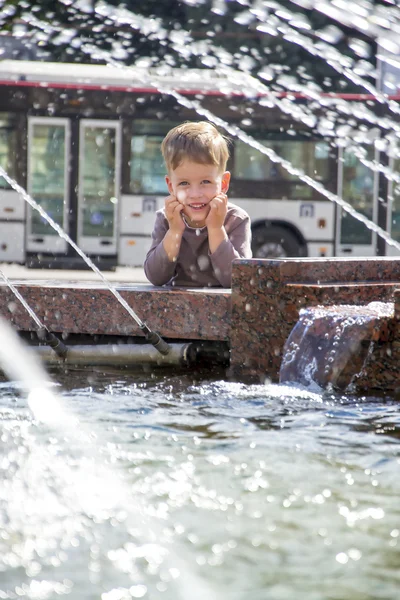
column 358, row 190
column 47, row 174
column 98, row 194
column 309, row 156
column 147, row 165
column 7, row 148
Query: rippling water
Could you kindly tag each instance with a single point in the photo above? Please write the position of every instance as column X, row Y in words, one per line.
column 186, row 486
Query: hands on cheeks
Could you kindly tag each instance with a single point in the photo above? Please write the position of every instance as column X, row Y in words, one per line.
column 173, row 209
column 218, row 210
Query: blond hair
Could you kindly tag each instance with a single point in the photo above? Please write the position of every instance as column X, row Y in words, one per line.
column 199, row 142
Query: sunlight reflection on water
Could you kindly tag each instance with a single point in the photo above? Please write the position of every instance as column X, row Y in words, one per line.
column 249, row 488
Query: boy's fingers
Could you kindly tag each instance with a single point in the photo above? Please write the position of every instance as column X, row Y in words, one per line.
column 173, row 204
column 176, row 209
column 217, row 203
column 221, row 199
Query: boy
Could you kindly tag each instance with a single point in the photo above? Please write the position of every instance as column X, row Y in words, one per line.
column 198, row 233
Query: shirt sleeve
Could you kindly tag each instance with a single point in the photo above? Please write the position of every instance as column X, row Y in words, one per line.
column 238, row 245
column 157, row 267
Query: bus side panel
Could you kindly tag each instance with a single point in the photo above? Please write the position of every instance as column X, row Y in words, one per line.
column 132, row 250
column 12, row 227
column 315, row 220
column 137, row 217
column 12, row 206
column 320, row 249
column 12, row 242
column 391, row 251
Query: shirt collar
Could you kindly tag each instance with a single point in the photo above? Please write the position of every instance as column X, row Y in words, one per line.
column 190, row 227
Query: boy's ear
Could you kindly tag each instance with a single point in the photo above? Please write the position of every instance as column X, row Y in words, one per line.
column 169, row 184
column 226, row 177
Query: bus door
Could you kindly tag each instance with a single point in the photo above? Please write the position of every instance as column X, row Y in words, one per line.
column 98, row 186
column 48, row 182
column 358, row 186
column 393, row 213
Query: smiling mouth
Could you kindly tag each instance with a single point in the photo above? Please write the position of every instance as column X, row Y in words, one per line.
column 197, row 206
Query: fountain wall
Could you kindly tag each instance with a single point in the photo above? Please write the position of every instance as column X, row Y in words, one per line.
column 267, row 296
column 90, row 308
column 255, row 318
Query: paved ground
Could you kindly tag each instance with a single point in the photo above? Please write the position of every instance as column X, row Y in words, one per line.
column 123, row 274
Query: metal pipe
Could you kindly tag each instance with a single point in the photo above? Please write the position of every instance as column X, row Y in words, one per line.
column 43, row 333
column 155, row 339
column 118, row 355
column 53, row 342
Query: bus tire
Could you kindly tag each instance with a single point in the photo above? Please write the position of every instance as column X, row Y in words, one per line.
column 275, row 242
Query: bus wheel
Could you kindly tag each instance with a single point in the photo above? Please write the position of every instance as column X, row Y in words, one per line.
column 274, row 242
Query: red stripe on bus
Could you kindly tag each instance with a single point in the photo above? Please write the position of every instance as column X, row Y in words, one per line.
column 111, row 88
column 144, row 90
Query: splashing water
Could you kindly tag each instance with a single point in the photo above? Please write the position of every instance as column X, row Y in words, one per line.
column 328, row 345
column 91, row 491
column 341, row 485
column 21, row 364
column 66, row 237
column 258, row 483
column 135, row 22
column 16, row 293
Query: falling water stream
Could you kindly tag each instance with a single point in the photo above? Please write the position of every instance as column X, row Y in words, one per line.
column 328, row 345
column 19, row 296
column 117, row 485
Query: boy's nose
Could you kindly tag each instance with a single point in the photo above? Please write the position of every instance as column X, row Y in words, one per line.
column 194, row 192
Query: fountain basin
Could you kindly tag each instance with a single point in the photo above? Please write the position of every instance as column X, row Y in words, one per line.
column 252, row 321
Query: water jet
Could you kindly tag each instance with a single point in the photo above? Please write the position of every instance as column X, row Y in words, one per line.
column 242, row 476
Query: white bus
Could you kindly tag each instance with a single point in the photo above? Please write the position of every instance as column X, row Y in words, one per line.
column 84, row 141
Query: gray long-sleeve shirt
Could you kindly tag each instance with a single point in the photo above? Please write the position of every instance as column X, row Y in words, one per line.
column 195, row 266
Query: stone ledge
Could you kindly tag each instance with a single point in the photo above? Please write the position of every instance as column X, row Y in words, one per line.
column 91, row 308
column 321, row 270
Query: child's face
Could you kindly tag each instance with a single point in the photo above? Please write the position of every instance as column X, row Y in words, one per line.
column 194, row 185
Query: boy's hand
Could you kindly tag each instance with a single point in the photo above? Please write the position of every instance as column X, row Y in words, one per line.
column 218, row 209
column 173, row 209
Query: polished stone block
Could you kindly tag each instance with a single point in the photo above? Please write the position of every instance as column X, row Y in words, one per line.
column 267, row 296
column 89, row 308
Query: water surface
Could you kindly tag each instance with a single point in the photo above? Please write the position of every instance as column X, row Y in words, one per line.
column 185, row 485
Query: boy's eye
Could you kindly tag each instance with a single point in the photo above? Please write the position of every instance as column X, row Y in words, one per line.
column 206, row 181
column 183, row 183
